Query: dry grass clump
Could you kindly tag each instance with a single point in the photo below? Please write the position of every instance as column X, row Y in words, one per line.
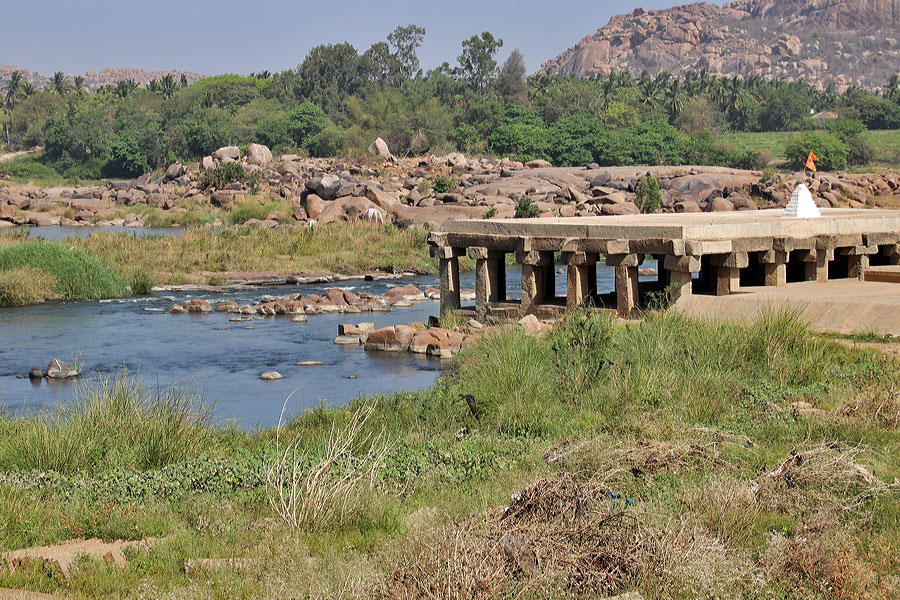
column 310, row 490
column 821, row 475
column 645, row 456
column 879, row 406
column 564, row 538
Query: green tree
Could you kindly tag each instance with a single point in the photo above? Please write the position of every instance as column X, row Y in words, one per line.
column 124, row 87
column 830, row 150
column 329, row 74
column 78, row 84
column 648, row 198
column 405, row 41
column 511, row 84
column 477, row 65
column 124, row 158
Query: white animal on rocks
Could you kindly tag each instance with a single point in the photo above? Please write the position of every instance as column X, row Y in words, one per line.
column 373, row 214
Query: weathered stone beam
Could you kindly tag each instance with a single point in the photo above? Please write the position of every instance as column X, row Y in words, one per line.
column 682, row 264
column 738, row 260
column 625, row 260
column 700, row 248
column 504, row 243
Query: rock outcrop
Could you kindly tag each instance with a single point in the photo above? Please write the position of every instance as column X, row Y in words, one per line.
column 848, row 42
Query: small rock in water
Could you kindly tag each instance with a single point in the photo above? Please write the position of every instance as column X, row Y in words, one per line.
column 347, row 340
column 270, row 375
column 299, row 319
column 35, row 373
column 310, row 363
column 59, row 369
column 351, row 377
column 177, row 309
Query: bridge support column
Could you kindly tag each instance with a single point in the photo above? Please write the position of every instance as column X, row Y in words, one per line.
column 627, row 292
column 535, row 277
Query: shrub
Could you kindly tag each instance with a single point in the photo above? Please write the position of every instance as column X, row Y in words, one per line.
column 851, row 132
column 26, row 168
column 830, row 150
column 124, row 158
column 526, row 209
column 227, row 173
column 648, row 197
column 490, row 213
column 443, row 184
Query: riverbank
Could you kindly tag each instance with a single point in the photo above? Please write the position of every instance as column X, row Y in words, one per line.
column 201, row 256
column 672, row 457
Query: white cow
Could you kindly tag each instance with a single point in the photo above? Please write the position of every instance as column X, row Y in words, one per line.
column 373, row 214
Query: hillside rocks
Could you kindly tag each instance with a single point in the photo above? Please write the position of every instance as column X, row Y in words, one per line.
column 94, row 80
column 849, row 42
column 320, row 191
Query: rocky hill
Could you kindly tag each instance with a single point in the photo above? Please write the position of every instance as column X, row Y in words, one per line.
column 848, row 42
column 94, row 80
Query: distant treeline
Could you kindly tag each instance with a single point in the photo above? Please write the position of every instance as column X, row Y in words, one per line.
column 338, row 100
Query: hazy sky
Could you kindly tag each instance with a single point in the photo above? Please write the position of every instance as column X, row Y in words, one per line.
column 228, row 36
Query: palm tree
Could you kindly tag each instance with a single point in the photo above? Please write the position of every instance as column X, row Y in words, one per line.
column 167, row 86
column 184, row 82
column 607, row 90
column 892, row 88
column 674, row 99
column 58, row 84
column 12, row 88
column 124, row 87
column 647, row 87
column 78, row 84
column 27, row 89
column 734, row 94
column 153, row 85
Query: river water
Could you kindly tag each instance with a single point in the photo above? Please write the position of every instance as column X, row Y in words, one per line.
column 215, row 358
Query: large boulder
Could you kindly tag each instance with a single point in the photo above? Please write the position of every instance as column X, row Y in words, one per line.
column 60, row 369
column 228, row 152
column 198, row 306
column 174, row 171
column 380, row 197
column 391, row 339
column 260, row 155
column 380, row 147
column 327, row 186
column 623, row 208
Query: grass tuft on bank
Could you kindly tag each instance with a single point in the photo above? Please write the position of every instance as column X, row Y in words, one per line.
column 114, row 421
column 32, row 269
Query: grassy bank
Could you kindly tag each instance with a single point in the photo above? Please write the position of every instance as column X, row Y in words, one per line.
column 677, row 458
column 201, row 256
column 31, row 271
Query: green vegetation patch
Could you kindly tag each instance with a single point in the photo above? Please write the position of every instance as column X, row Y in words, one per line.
column 74, row 274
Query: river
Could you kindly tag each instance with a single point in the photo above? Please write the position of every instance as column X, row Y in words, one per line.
column 217, row 359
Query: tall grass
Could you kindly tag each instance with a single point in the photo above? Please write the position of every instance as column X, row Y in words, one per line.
column 76, row 274
column 696, row 369
column 349, row 248
column 253, row 209
column 115, row 423
column 25, row 285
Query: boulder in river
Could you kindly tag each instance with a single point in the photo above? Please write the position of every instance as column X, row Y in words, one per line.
column 270, row 375
column 35, row 373
column 60, row 369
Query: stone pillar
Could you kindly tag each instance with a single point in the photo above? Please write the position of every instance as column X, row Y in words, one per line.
column 681, row 270
column 728, row 271
column 859, row 260
column 626, row 281
column 449, row 274
column 534, row 268
column 775, row 267
column 580, row 267
column 485, row 280
column 810, row 259
column 823, row 257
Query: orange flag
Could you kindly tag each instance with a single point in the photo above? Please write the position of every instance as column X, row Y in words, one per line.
column 811, row 161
